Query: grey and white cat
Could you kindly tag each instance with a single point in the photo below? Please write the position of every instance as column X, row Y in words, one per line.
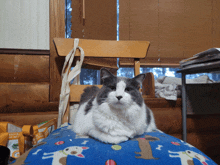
column 114, row 113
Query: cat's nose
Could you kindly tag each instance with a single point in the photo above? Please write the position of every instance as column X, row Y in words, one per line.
column 119, row 97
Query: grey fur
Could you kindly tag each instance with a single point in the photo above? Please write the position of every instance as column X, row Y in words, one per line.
column 89, row 105
column 109, row 83
column 131, row 84
column 134, row 92
column 103, row 94
column 148, row 115
column 88, row 93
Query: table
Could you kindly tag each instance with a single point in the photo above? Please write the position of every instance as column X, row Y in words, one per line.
column 192, row 69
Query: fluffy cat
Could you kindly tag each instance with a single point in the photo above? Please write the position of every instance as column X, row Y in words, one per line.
column 114, row 113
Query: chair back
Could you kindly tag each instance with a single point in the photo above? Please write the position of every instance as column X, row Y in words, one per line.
column 101, row 49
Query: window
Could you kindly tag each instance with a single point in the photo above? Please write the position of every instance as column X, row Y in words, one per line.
column 90, row 76
column 161, row 71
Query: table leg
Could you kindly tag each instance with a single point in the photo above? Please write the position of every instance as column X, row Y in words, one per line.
column 184, row 108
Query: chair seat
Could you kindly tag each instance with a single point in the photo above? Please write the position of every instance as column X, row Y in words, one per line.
column 154, row 148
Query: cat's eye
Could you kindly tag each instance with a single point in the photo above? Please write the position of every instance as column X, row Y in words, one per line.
column 112, row 88
column 128, row 89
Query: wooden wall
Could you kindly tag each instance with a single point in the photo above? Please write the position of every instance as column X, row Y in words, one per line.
column 30, row 80
column 24, row 82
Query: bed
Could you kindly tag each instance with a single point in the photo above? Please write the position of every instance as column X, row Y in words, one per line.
column 63, row 146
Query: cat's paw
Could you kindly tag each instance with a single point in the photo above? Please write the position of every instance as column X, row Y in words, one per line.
column 116, row 132
column 119, row 139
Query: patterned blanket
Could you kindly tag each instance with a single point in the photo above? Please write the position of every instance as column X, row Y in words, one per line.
column 64, row 147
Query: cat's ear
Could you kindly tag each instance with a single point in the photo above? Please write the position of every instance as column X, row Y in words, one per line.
column 105, row 73
column 140, row 78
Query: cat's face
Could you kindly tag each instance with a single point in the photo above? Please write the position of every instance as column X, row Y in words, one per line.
column 120, row 92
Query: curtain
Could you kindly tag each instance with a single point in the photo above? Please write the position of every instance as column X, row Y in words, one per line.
column 176, row 29
column 95, row 19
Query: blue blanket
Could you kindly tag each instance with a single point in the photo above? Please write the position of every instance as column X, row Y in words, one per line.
column 63, row 146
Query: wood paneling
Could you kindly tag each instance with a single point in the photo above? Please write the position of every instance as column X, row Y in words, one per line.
column 23, row 97
column 30, row 118
column 24, row 68
column 173, row 118
column 57, row 29
column 170, row 124
column 196, row 124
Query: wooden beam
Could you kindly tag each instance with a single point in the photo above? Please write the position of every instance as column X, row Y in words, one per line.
column 152, row 62
column 25, row 51
column 57, row 29
column 24, row 68
column 23, row 97
column 28, row 118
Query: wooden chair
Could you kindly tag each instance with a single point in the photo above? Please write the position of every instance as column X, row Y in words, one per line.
column 106, row 48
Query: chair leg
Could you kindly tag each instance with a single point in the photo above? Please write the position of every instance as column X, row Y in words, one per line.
column 137, row 65
column 148, row 85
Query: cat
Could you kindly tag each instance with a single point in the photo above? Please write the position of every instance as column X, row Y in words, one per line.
column 114, row 113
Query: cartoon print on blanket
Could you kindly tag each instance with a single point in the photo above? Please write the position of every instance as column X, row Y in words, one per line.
column 110, row 162
column 153, row 148
column 61, row 156
column 146, row 151
column 187, row 157
column 23, row 157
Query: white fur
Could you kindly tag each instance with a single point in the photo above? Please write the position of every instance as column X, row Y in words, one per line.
column 113, row 121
